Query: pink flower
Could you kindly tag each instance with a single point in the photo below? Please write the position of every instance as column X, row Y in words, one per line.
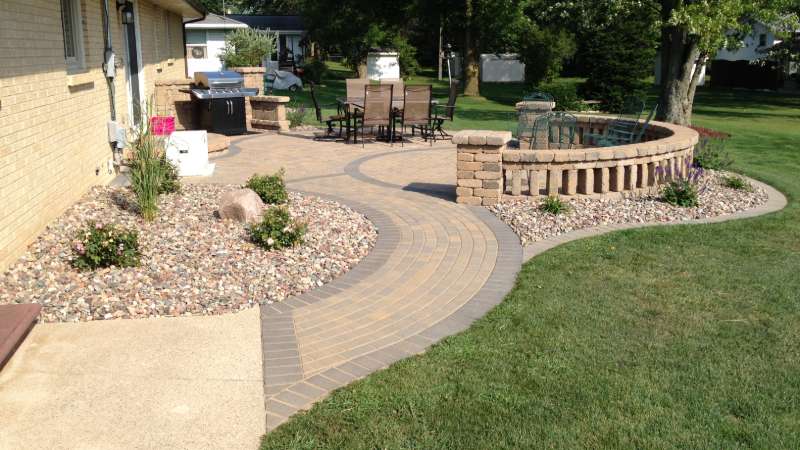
column 80, row 248
column 98, row 226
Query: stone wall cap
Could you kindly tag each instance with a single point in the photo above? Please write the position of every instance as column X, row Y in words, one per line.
column 271, row 98
column 482, row 137
column 249, row 69
column 174, row 82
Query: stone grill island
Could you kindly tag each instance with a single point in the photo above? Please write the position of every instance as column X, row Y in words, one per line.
column 490, row 164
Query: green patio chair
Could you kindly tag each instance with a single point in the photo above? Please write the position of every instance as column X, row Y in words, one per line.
column 555, row 130
column 527, row 115
column 622, row 130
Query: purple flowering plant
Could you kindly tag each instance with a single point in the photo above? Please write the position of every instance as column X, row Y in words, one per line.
column 682, row 188
column 105, row 245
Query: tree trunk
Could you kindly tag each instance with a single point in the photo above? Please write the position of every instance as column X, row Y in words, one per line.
column 471, row 82
column 681, row 67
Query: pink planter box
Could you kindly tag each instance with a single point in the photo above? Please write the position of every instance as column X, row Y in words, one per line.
column 162, row 125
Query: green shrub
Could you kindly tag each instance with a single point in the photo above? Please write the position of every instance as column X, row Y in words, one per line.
column 680, row 192
column 736, row 182
column 247, row 47
column 544, row 51
column 170, row 182
column 106, row 245
column 565, row 94
column 314, row 70
column 147, row 171
column 710, row 154
column 295, row 113
column 618, row 58
column 553, row 205
column 271, row 188
column 277, row 230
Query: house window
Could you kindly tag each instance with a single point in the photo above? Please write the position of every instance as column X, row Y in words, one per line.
column 196, row 45
column 762, row 40
column 73, row 33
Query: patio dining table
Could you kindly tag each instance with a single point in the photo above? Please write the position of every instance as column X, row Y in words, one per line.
column 347, row 103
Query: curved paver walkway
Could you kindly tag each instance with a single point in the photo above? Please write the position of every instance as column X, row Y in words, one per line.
column 199, row 381
column 437, row 266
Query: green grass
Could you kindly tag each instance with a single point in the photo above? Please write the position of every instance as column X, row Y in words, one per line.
column 669, row 337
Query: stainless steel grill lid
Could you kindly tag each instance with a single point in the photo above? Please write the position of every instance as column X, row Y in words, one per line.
column 224, row 84
column 225, row 79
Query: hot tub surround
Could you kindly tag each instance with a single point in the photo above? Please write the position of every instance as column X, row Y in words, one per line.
column 488, row 165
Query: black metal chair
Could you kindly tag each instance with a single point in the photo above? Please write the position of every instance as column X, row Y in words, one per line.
column 444, row 112
column 339, row 118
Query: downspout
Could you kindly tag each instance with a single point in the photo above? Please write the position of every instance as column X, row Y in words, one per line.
column 109, row 50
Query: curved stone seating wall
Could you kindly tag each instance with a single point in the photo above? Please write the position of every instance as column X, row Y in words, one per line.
column 487, row 168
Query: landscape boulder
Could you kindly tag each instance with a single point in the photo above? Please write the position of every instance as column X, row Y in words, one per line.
column 243, row 205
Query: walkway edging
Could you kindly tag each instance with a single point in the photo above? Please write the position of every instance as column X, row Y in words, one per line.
column 288, row 393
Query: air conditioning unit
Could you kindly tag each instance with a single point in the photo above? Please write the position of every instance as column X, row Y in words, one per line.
column 188, row 150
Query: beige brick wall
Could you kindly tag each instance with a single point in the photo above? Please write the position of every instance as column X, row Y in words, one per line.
column 52, row 123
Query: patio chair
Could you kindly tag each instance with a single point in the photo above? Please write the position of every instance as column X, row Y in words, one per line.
column 555, row 130
column 537, row 97
column 621, row 130
column 532, row 107
column 417, row 110
column 377, row 111
column 444, row 112
column 398, row 86
column 339, row 117
column 355, row 88
column 643, row 129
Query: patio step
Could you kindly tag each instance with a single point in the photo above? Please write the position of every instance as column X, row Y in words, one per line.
column 15, row 323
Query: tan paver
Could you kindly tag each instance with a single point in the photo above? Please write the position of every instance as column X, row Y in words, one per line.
column 433, row 257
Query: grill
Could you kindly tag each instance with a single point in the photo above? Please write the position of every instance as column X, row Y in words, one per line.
column 221, row 97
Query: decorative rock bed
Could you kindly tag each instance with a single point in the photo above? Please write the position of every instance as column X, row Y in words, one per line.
column 531, row 224
column 193, row 263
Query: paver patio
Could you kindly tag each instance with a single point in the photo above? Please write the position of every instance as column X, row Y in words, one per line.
column 437, row 265
column 197, row 381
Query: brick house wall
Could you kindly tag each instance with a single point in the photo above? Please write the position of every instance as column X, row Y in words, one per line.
column 53, row 135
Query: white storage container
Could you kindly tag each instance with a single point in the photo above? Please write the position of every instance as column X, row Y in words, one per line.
column 188, row 150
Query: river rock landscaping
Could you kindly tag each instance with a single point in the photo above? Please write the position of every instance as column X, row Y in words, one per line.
column 193, row 263
column 532, row 224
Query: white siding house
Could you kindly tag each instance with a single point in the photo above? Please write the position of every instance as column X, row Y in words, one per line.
column 205, row 40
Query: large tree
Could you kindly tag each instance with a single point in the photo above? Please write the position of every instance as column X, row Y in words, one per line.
column 691, row 32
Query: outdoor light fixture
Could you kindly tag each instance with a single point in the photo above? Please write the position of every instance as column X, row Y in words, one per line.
column 127, row 13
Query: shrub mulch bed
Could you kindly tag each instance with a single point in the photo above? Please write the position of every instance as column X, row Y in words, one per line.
column 192, row 262
column 715, row 199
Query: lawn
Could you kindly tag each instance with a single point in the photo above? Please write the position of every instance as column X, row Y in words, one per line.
column 669, row 337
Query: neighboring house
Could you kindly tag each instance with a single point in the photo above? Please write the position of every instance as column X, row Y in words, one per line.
column 205, row 40
column 56, row 102
column 290, row 30
column 736, row 68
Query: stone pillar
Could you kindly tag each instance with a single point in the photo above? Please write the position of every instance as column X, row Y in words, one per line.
column 586, row 181
column 172, row 99
column 269, row 112
column 533, row 183
column 253, row 78
column 617, row 178
column 570, row 182
column 553, row 179
column 601, row 180
column 631, row 173
column 479, row 167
